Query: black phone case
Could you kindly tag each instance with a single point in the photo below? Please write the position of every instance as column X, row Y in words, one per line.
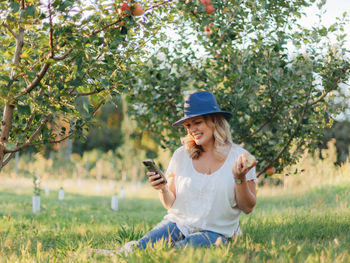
column 152, row 167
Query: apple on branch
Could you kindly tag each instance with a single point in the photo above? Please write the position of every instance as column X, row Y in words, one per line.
column 125, row 7
column 137, row 10
column 270, row 170
column 207, row 30
column 210, row 9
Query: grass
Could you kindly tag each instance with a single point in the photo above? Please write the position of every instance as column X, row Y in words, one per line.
column 306, row 219
column 309, row 226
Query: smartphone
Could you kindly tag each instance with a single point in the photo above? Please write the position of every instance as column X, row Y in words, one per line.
column 152, row 167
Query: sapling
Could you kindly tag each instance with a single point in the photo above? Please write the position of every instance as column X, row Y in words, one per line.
column 36, row 197
column 61, row 194
column 36, row 186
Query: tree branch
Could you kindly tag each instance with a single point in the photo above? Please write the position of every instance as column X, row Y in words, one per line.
column 160, row 4
column 86, row 72
column 88, row 93
column 119, row 20
column 51, row 44
column 298, row 148
column 19, row 46
column 263, row 124
column 34, row 135
column 29, row 122
column 64, row 55
column 10, row 30
column 319, row 99
column 98, row 106
column 36, row 81
column 287, row 144
column 301, row 116
column 8, row 158
column 105, row 27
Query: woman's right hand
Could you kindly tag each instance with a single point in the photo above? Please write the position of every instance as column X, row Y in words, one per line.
column 156, row 181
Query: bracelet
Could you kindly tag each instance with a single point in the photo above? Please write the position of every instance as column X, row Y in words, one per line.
column 240, row 181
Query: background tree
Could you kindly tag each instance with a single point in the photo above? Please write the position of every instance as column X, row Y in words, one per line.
column 106, row 132
column 276, row 76
column 340, row 132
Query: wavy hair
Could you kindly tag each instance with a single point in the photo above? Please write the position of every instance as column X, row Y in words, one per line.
column 222, row 137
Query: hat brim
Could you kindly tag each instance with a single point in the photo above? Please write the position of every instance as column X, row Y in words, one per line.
column 180, row 122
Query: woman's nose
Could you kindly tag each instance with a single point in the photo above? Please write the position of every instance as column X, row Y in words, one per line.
column 192, row 129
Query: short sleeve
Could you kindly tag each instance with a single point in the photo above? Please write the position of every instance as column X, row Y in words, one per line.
column 171, row 170
column 251, row 175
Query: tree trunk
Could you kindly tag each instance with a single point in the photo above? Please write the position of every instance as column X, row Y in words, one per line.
column 10, row 105
column 5, row 130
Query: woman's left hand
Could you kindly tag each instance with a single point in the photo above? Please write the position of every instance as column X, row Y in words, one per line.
column 241, row 168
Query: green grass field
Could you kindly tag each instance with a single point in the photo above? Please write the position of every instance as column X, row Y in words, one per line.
column 311, row 225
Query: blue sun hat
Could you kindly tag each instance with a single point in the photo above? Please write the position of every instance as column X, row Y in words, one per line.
column 200, row 103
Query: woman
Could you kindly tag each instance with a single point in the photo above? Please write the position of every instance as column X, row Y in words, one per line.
column 209, row 182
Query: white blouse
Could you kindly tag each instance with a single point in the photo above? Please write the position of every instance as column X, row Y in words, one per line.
column 205, row 201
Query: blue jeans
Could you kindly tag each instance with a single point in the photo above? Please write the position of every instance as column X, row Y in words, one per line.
column 168, row 232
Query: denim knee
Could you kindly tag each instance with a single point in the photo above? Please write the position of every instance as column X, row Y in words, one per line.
column 202, row 239
column 165, row 231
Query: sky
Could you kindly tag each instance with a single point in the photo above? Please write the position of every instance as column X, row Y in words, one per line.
column 333, row 9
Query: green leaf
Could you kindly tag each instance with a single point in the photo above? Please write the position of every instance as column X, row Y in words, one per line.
column 10, row 146
column 30, row 10
column 23, row 109
column 86, row 106
column 4, row 77
column 14, row 6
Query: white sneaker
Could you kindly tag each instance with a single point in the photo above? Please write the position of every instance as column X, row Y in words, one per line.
column 127, row 248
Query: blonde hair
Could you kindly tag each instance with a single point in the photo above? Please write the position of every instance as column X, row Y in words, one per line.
column 222, row 137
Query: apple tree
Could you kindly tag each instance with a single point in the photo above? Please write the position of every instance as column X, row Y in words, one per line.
column 60, row 60
column 276, row 75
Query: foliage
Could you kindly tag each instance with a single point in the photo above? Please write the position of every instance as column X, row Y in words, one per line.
column 276, row 76
column 60, row 60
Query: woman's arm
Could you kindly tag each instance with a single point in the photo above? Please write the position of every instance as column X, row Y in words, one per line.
column 245, row 190
column 246, row 196
column 167, row 194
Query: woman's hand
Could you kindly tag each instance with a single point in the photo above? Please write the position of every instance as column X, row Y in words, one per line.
column 241, row 168
column 156, row 181
column 245, row 191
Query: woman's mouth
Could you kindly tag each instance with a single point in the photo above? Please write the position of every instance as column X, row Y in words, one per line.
column 197, row 136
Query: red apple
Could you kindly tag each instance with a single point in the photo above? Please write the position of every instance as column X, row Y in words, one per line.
column 125, row 6
column 205, row 2
column 210, row 9
column 207, row 30
column 137, row 10
column 270, row 170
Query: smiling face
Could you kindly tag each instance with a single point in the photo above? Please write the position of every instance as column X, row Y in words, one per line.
column 200, row 131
